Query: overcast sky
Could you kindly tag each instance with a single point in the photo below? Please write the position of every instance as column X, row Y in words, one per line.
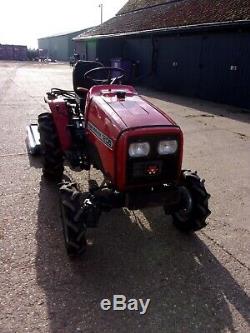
column 23, row 21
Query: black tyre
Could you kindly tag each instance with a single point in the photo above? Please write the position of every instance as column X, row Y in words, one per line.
column 194, row 204
column 50, row 148
column 74, row 229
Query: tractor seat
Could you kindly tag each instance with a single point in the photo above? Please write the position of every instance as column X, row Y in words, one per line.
column 80, row 68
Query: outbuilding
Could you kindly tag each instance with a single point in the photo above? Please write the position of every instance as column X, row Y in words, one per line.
column 13, row 52
column 198, row 48
column 59, row 47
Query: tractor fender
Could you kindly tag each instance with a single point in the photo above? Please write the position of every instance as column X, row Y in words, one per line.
column 60, row 114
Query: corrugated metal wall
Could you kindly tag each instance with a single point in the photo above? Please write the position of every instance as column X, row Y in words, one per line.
column 108, row 49
column 59, row 47
column 139, row 50
column 13, row 52
column 178, row 64
column 210, row 66
column 91, row 50
column 81, row 49
column 213, row 66
column 225, row 69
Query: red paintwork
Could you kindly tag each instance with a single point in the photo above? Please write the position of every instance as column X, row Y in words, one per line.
column 120, row 119
column 122, row 150
column 60, row 115
column 131, row 112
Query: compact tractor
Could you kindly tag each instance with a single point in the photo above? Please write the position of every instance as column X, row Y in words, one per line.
column 137, row 147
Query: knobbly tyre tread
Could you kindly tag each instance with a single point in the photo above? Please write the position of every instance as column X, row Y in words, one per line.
column 200, row 211
column 50, row 148
column 74, row 229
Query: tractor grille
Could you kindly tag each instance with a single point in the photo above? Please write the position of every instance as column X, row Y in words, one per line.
column 154, row 168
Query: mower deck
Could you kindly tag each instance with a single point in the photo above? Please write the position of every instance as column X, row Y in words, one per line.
column 33, row 139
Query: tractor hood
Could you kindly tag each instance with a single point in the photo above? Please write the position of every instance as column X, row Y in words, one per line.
column 123, row 105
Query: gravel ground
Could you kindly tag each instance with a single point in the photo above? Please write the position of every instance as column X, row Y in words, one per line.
column 196, row 284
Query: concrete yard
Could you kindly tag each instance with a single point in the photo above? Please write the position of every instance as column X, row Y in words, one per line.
column 196, row 284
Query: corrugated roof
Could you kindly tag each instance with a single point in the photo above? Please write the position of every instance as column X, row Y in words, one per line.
column 170, row 14
column 68, row 33
column 13, row 45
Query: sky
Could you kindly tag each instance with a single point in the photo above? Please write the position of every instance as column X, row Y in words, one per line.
column 24, row 21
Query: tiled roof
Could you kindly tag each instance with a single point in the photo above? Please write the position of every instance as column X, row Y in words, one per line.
column 134, row 5
column 171, row 14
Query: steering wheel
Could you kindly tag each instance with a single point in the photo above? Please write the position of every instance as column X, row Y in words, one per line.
column 110, row 75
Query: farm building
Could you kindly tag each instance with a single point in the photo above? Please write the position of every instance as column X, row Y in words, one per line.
column 59, row 47
column 13, row 52
column 198, row 48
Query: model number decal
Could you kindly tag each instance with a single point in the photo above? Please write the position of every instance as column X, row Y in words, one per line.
column 104, row 138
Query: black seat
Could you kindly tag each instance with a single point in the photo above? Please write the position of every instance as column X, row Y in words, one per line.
column 80, row 68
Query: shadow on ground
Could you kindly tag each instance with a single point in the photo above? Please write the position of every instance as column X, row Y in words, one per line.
column 190, row 290
column 35, row 161
column 214, row 109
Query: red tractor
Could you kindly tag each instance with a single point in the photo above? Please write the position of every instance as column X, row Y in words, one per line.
column 137, row 147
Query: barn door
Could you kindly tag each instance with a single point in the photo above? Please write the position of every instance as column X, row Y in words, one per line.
column 178, row 64
column 224, row 75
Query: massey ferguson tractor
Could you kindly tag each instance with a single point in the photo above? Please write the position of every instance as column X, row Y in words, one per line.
column 137, row 147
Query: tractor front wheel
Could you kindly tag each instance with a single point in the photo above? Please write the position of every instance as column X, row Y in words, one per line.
column 193, row 211
column 74, row 229
column 50, row 148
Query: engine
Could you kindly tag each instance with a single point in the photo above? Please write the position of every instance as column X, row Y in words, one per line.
column 137, row 145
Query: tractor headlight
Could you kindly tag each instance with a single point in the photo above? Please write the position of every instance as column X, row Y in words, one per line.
column 139, row 149
column 167, row 147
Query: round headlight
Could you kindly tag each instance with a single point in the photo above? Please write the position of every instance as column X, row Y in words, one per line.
column 167, row 147
column 139, row 149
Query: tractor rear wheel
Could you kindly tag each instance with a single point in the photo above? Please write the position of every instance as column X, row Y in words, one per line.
column 74, row 229
column 194, row 211
column 50, row 148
